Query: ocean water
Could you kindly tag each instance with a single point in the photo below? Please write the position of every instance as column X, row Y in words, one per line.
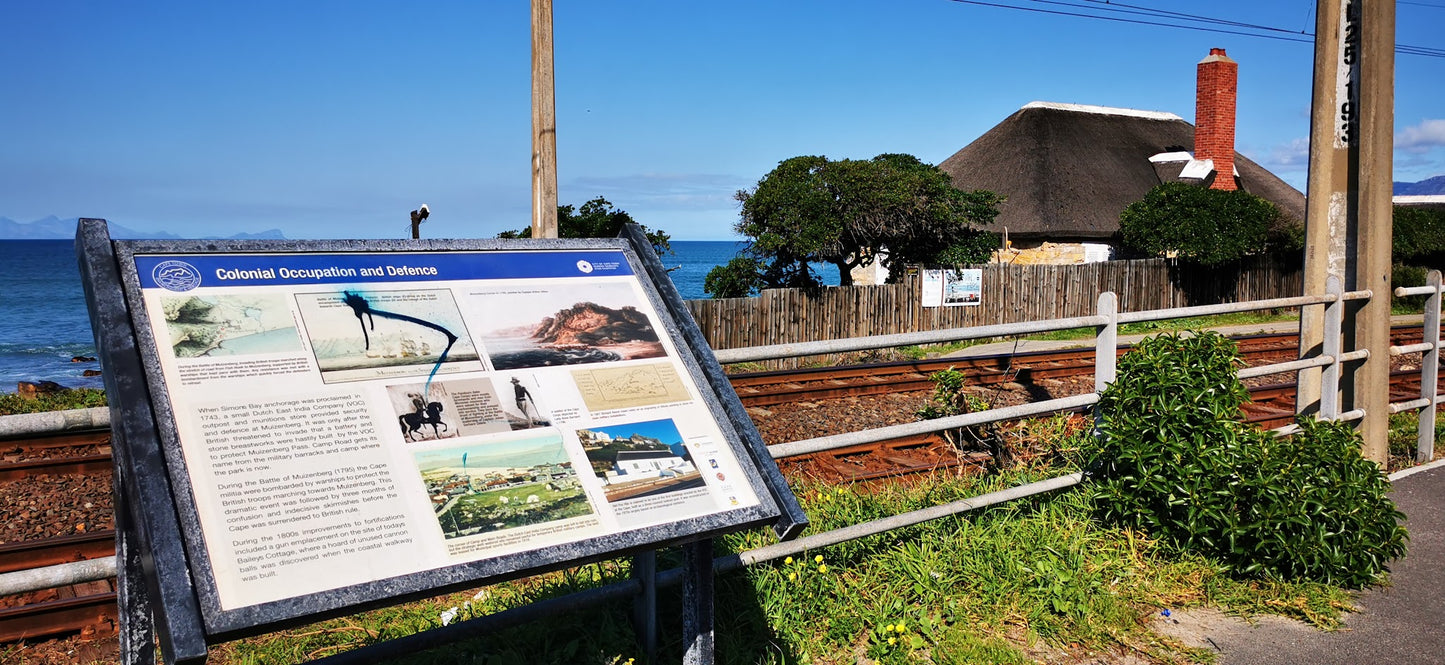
column 43, row 319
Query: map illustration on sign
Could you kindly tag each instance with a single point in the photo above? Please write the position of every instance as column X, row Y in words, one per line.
column 607, row 388
column 229, row 325
column 573, row 325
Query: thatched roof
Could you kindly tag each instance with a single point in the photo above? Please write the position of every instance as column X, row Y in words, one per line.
column 1069, row 170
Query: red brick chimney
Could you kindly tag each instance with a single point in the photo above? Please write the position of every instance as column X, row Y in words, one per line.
column 1214, row 115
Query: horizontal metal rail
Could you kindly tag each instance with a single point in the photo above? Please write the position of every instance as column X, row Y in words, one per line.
column 1280, row 368
column 1225, row 308
column 822, row 443
column 1411, row 348
column 885, row 524
column 53, row 422
column 793, row 350
column 1403, row 291
column 64, row 574
column 1410, row 405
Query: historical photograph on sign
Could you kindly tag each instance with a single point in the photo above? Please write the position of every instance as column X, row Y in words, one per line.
column 605, row 388
column 444, row 410
column 359, row 334
column 520, row 405
column 229, row 325
column 962, row 287
column 567, row 325
column 639, row 459
column 492, row 486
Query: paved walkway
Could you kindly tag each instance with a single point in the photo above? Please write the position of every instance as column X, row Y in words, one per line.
column 1400, row 625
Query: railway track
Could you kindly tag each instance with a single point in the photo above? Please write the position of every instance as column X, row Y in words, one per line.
column 90, row 608
column 786, row 386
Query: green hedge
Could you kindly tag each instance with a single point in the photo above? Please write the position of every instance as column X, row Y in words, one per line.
column 1173, row 459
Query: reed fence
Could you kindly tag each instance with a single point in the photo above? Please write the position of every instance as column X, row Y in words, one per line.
column 1011, row 293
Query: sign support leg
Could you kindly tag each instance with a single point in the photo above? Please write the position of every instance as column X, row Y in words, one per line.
column 136, row 629
column 697, row 608
column 644, row 606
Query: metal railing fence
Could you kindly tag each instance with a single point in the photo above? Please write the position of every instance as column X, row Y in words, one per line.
column 1106, row 321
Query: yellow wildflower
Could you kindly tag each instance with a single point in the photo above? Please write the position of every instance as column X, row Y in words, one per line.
column 788, row 561
column 792, row 577
column 818, row 559
column 822, row 568
column 892, row 641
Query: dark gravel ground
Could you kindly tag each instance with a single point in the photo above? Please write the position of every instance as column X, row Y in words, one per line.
column 54, row 505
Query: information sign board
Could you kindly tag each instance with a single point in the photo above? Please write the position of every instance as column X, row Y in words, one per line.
column 952, row 288
column 351, row 422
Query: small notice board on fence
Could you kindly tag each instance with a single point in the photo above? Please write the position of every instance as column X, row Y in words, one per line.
column 349, row 422
column 950, row 288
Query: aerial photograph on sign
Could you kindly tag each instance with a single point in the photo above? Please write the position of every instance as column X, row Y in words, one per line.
column 492, row 486
column 360, row 334
column 568, row 325
column 640, row 459
column 229, row 325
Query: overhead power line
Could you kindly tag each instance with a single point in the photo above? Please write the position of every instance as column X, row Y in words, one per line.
column 1104, row 10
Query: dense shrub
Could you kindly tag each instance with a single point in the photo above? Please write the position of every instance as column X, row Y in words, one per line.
column 1418, row 235
column 1173, row 459
column 1206, row 226
column 77, row 398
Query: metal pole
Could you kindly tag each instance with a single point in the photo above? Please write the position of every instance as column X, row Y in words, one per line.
column 137, row 627
column 697, row 608
column 1106, row 346
column 544, row 124
column 1332, row 346
column 1429, row 372
column 644, row 606
column 1373, row 227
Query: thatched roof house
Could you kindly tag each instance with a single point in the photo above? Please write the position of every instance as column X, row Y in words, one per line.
column 1068, row 170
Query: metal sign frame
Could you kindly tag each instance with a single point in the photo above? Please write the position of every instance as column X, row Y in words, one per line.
column 167, row 574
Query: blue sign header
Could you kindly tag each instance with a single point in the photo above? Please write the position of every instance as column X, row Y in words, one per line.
column 191, row 271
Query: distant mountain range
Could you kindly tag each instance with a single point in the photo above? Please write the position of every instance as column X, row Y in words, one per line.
column 1426, row 187
column 54, row 228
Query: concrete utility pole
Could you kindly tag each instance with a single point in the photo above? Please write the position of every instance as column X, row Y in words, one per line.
column 544, row 124
column 1349, row 211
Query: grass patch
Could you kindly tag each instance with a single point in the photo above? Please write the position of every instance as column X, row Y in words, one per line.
column 72, row 398
column 1001, row 585
column 1403, row 438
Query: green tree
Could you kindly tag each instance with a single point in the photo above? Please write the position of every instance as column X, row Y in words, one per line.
column 596, row 219
column 1419, row 235
column 1206, row 226
column 893, row 208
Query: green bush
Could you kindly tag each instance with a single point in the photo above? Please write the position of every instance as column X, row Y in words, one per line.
column 1418, row 235
column 76, row 398
column 1173, row 459
column 1205, row 226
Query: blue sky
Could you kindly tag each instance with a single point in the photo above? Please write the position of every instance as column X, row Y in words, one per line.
column 334, row 119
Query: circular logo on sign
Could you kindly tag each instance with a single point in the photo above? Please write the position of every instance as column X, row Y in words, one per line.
column 176, row 276
column 584, row 266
